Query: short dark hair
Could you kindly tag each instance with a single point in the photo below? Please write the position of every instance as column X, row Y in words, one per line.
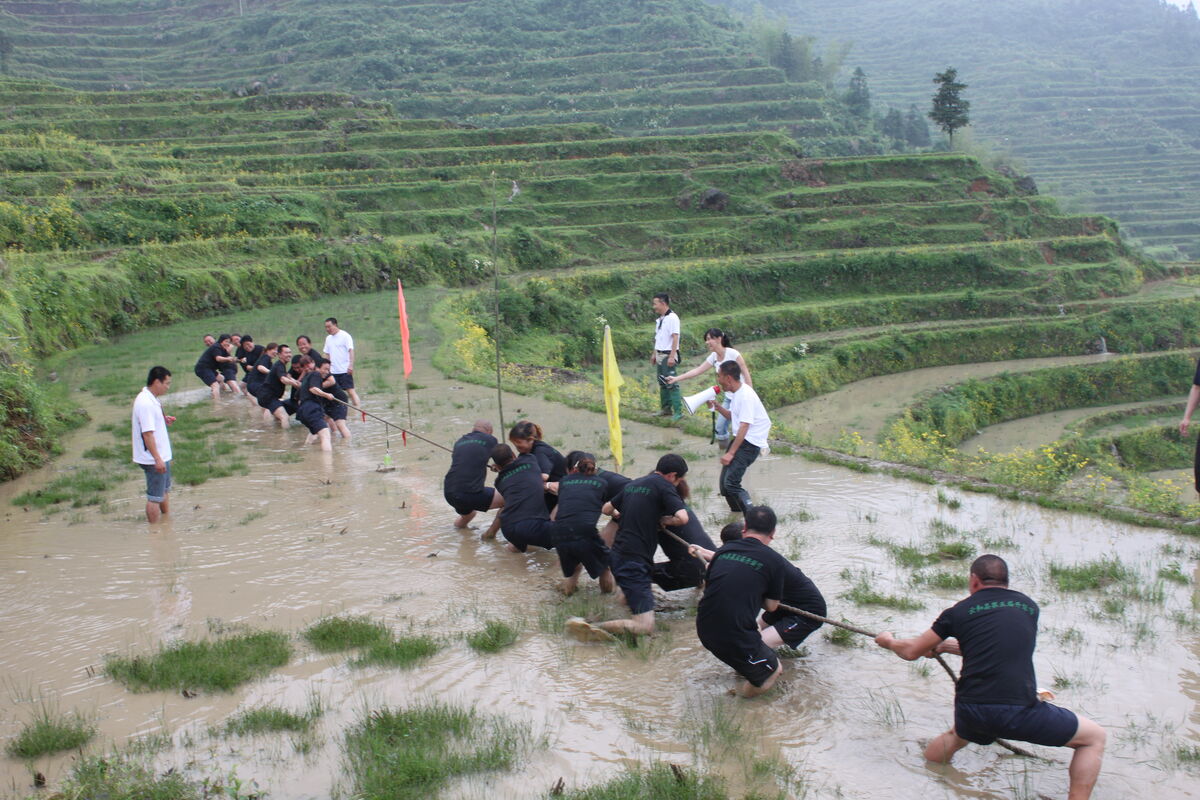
column 331, row 319
column 666, row 298
column 760, row 519
column 270, row 346
column 731, row 369
column 223, row 337
column 157, row 374
column 991, row 570
column 305, row 338
column 247, row 338
column 502, row 454
column 671, row 463
column 732, row 532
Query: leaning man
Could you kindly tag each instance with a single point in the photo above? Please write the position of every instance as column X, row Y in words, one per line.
column 996, row 697
column 151, row 444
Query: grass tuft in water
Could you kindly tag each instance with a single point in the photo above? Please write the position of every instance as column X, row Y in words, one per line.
column 402, row 652
column 120, row 778
column 218, row 665
column 409, row 754
column 495, row 636
column 343, row 633
column 1092, row 575
column 658, row 781
column 586, row 603
column 842, row 637
column 51, row 733
column 269, row 719
column 1188, row 754
column 1174, row 574
column 951, row 581
column 861, row 594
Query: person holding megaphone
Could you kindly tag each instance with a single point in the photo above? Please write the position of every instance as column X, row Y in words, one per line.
column 720, row 351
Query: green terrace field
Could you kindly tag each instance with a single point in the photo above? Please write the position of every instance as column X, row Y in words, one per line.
column 1097, row 99
column 668, row 66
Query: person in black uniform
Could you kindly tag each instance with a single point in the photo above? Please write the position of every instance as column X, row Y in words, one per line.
column 523, row 519
column 272, row 366
column 1192, row 401
column 229, row 369
column 248, row 354
column 463, row 487
column 527, row 438
column 616, row 482
column 996, row 695
column 743, row 576
column 335, row 404
column 304, row 348
column 782, row 628
column 582, row 494
column 311, row 410
column 208, row 366
column 681, row 570
column 643, row 505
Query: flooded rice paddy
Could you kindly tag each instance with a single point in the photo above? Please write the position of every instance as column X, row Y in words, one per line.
column 305, row 535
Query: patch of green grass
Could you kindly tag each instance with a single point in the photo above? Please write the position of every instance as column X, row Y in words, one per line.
column 586, row 603
column 862, row 594
column 342, row 633
column 658, row 781
column 952, row 503
column 81, row 487
column 495, row 636
column 102, row 453
column 951, row 581
column 943, row 530
column 250, row 517
column 1091, row 575
column 404, row 651
column 1113, row 606
column 217, row 665
column 51, row 733
column 1174, row 574
column 269, row 719
column 120, row 778
column 955, row 551
column 842, row 637
column 1188, row 754
column 409, row 754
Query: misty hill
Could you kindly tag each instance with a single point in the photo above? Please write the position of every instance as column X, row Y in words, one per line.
column 1098, row 97
column 639, row 67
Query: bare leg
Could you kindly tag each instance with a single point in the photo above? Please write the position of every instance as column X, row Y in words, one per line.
column 747, row 689
column 492, row 530
column 153, row 512
column 607, row 583
column 569, row 585
column 280, row 415
column 343, row 429
column 215, row 388
column 638, row 624
column 354, row 397
column 463, row 520
column 1089, row 743
column 323, row 438
column 609, row 532
column 771, row 637
column 944, row 746
column 165, row 505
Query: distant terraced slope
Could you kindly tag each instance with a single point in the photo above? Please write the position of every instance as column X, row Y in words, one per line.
column 666, row 66
column 1098, row 97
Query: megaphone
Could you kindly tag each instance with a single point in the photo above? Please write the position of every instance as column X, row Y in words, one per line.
column 697, row 401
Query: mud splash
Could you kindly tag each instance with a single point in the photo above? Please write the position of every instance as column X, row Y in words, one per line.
column 336, row 536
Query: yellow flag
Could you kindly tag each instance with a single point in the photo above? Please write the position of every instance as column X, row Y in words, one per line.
column 612, row 396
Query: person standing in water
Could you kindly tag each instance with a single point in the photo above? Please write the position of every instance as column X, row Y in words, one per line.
column 151, row 442
column 750, row 427
column 339, row 349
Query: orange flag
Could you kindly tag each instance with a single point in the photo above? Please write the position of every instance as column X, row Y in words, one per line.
column 404, row 330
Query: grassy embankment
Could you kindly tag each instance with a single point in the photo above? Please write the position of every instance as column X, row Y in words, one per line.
column 1099, row 101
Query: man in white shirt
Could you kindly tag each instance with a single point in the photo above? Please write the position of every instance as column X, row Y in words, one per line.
column 151, row 444
column 666, row 356
column 750, row 427
column 339, row 349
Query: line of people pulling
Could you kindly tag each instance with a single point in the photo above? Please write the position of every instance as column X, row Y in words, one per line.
column 282, row 382
column 744, row 615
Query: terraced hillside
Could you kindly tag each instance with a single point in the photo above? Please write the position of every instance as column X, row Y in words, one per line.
column 1098, row 98
column 668, row 66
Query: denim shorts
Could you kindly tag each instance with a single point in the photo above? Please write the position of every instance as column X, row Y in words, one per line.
column 157, row 483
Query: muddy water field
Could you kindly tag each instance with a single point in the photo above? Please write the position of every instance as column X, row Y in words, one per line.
column 296, row 536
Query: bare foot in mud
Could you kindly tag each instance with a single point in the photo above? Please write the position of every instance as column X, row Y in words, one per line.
column 582, row 630
column 567, row 587
column 464, row 520
column 512, row 548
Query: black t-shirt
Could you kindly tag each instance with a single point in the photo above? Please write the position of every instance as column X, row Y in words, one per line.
column 253, row 376
column 616, row 482
column 552, row 462
column 311, row 381
column 740, row 576
column 329, row 384
column 580, row 498
column 642, row 503
column 1196, row 378
column 523, row 490
column 800, row 592
column 249, row 358
column 468, row 463
column 997, row 632
column 272, row 382
column 208, row 359
column 693, row 532
column 317, row 358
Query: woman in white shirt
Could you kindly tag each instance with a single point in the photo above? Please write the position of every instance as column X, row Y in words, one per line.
column 717, row 342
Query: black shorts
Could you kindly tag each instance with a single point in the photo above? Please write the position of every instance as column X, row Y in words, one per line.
column 344, row 380
column 313, row 417
column 265, row 400
column 1040, row 723
column 580, row 544
column 751, row 659
column 335, row 411
column 792, row 629
column 671, row 576
column 474, row 501
column 633, row 576
column 230, row 372
column 208, row 376
column 529, row 532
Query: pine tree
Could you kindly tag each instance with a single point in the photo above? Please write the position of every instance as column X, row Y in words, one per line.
column 915, row 130
column 949, row 109
column 858, row 98
column 892, row 125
